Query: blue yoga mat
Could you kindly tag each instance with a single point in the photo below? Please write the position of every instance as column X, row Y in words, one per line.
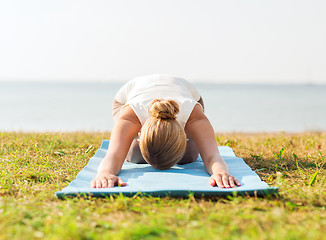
column 180, row 180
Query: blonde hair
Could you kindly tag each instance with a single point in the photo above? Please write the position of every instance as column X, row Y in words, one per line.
column 162, row 139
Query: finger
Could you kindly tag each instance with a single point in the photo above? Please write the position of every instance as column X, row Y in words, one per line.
column 93, row 184
column 218, row 180
column 237, row 182
column 98, row 183
column 110, row 183
column 231, row 181
column 104, row 183
column 225, row 180
column 212, row 182
column 121, row 182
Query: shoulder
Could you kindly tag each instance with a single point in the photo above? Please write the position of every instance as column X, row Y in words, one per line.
column 128, row 114
column 124, row 91
column 196, row 114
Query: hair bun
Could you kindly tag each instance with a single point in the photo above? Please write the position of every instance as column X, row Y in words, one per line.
column 164, row 109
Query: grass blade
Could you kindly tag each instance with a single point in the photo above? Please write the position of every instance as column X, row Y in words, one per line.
column 313, row 178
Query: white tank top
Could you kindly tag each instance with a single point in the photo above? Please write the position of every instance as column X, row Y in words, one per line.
column 140, row 92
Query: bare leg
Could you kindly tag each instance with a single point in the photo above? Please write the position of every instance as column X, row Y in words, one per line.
column 134, row 155
column 191, row 153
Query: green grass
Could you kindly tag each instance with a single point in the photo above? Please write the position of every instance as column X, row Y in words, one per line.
column 33, row 166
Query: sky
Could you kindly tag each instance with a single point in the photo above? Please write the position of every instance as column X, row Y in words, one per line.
column 252, row 41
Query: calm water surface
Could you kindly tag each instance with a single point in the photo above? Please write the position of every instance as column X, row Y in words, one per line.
column 36, row 106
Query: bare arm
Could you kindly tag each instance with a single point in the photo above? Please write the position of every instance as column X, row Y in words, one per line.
column 123, row 133
column 201, row 131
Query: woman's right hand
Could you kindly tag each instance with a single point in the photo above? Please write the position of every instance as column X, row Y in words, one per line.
column 107, row 180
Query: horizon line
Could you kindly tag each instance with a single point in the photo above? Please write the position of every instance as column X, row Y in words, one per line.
column 225, row 82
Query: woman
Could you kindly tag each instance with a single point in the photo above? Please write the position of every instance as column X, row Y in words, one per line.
column 167, row 114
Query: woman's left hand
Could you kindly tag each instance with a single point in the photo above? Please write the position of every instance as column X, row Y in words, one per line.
column 223, row 180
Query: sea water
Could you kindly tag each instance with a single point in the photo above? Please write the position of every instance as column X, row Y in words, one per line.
column 86, row 106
